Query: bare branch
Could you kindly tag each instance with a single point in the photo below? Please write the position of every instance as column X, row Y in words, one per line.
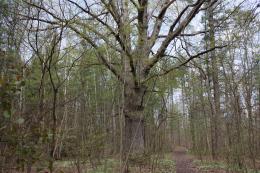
column 174, row 33
column 69, row 23
column 191, row 57
column 134, row 3
column 187, row 34
column 100, row 55
column 159, row 21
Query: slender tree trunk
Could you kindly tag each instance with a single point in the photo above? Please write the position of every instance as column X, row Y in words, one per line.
column 248, row 90
column 215, row 80
column 54, row 129
column 211, row 106
column 258, row 122
column 204, row 113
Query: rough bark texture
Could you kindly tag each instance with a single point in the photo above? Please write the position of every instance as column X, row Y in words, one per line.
column 134, row 120
column 134, row 138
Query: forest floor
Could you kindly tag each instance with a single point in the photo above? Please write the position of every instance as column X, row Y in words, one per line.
column 185, row 163
column 180, row 161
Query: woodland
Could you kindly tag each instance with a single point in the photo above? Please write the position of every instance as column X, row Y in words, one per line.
column 129, row 86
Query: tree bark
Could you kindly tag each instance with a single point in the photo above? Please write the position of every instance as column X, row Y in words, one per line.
column 216, row 87
column 134, row 120
column 133, row 138
column 216, row 112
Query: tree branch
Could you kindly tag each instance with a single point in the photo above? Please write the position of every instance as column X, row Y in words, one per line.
column 100, row 55
column 191, row 57
column 159, row 21
column 174, row 33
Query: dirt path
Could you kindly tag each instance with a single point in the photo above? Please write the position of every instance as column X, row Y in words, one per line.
column 184, row 162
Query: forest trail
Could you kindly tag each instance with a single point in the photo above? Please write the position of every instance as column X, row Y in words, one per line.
column 184, row 162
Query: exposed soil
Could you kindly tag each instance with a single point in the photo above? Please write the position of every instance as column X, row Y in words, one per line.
column 184, row 162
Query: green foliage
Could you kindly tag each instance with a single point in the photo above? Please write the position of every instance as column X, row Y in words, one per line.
column 7, row 114
column 107, row 166
column 207, row 165
column 89, row 99
column 166, row 165
column 163, row 163
column 20, row 121
column 216, row 165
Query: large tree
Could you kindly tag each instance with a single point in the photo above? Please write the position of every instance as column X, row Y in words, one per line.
column 142, row 33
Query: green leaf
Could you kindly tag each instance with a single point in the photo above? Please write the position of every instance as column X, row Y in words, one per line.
column 22, row 83
column 20, row 121
column 7, row 114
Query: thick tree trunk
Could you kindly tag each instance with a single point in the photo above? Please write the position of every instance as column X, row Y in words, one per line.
column 134, row 135
column 134, row 139
column 134, row 120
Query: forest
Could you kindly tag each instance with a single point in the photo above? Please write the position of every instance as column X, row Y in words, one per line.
column 129, row 86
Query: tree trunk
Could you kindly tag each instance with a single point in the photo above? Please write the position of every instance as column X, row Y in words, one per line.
column 134, row 135
column 134, row 120
column 133, row 144
column 215, row 80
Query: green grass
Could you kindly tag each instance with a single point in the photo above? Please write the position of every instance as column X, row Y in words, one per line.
column 164, row 164
column 207, row 165
column 63, row 163
column 107, row 166
column 160, row 164
column 213, row 165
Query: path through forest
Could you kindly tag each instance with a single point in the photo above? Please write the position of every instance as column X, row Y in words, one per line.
column 184, row 162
